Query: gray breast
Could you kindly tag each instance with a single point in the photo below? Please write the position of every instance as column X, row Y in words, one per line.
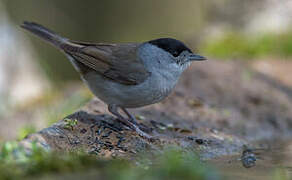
column 153, row 90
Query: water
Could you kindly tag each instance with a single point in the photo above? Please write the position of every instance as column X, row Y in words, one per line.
column 274, row 162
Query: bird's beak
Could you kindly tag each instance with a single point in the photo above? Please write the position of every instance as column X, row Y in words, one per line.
column 196, row 57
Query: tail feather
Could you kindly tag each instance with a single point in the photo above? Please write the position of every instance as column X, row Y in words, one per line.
column 44, row 33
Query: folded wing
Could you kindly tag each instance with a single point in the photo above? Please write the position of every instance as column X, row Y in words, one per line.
column 117, row 62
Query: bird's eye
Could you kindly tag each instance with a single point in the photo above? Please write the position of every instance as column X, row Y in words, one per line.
column 175, row 53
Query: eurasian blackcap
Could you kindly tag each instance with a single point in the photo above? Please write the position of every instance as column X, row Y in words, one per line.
column 124, row 75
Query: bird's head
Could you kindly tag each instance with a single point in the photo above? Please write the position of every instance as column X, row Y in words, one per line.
column 179, row 52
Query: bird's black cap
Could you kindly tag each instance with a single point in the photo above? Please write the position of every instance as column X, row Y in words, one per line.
column 173, row 46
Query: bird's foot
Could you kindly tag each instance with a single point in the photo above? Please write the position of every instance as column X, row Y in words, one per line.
column 144, row 135
column 129, row 122
column 136, row 128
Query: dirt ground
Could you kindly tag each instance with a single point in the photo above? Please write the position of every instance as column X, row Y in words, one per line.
column 215, row 109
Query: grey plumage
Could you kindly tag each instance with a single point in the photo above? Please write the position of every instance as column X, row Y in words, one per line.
column 124, row 75
column 164, row 75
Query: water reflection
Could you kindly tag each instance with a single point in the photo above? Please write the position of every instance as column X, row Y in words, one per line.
column 274, row 162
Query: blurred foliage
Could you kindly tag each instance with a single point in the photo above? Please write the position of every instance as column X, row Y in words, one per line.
column 26, row 130
column 52, row 106
column 16, row 163
column 171, row 164
column 235, row 45
column 70, row 123
column 280, row 174
column 66, row 106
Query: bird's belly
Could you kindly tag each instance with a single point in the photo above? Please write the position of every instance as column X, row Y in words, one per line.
column 150, row 91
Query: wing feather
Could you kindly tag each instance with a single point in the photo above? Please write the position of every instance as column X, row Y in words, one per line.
column 117, row 62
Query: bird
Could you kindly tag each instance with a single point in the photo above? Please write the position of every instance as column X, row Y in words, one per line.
column 124, row 75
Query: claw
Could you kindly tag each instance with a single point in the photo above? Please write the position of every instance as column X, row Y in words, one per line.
column 130, row 122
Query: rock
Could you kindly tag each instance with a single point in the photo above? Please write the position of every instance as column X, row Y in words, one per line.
column 238, row 106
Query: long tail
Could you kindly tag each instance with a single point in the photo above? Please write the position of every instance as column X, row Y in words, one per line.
column 45, row 34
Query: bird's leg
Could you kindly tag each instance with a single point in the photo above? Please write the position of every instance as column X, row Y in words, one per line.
column 131, row 117
column 114, row 110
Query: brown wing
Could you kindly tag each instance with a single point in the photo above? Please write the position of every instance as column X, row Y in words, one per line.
column 117, row 62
